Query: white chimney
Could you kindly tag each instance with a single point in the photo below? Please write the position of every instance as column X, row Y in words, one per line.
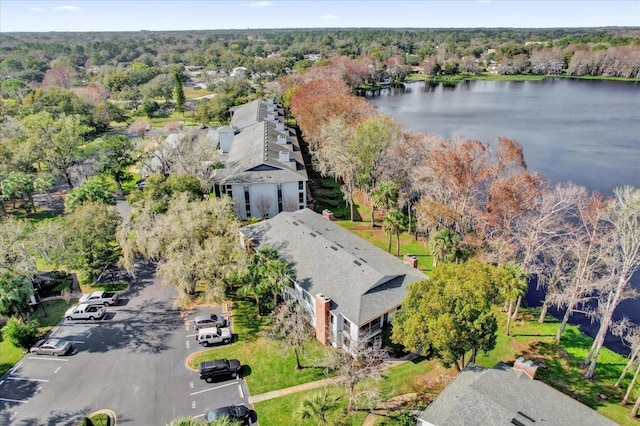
column 271, row 107
column 225, row 136
column 282, row 140
column 280, row 126
column 271, row 116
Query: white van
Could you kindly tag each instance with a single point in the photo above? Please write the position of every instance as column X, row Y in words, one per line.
column 212, row 335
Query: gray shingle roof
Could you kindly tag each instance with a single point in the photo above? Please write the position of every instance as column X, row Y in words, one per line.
column 362, row 280
column 495, row 396
column 254, row 153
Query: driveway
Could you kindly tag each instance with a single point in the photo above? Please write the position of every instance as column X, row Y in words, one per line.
column 132, row 362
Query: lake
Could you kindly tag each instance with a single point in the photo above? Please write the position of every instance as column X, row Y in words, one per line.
column 583, row 131
column 586, row 132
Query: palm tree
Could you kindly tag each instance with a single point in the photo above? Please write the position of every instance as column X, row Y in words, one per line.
column 444, row 245
column 276, row 276
column 384, row 196
column 394, row 223
column 318, row 407
column 514, row 287
column 267, row 274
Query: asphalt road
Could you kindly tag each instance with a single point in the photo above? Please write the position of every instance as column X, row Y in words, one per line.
column 132, row 362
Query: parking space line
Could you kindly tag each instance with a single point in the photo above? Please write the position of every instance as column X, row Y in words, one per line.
column 199, row 415
column 28, row 380
column 191, row 335
column 188, row 344
column 240, row 391
column 54, row 331
column 24, row 401
column 210, row 389
column 16, row 368
column 49, row 359
column 76, row 341
column 56, row 370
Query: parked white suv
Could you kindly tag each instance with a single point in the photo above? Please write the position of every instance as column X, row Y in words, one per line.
column 85, row 311
column 212, row 335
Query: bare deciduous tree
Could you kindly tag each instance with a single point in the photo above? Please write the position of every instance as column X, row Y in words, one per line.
column 365, row 362
column 263, row 204
column 623, row 217
column 290, row 327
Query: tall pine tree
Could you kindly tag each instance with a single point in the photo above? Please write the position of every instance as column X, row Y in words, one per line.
column 178, row 93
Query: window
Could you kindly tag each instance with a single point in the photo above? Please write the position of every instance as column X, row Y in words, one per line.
column 346, row 327
column 301, row 197
column 229, row 192
column 247, row 202
column 300, row 185
column 372, row 328
column 307, row 297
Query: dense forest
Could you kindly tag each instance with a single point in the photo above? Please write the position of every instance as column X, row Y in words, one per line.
column 588, row 51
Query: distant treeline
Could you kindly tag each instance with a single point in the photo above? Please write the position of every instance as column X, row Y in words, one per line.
column 610, row 51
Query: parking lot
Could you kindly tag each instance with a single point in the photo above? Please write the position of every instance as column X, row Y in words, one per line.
column 132, row 362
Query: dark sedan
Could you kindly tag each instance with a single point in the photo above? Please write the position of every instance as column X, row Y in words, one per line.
column 234, row 412
column 53, row 347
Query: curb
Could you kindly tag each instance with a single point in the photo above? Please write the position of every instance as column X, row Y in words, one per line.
column 112, row 416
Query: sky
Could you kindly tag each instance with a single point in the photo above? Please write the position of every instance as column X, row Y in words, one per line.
column 175, row 15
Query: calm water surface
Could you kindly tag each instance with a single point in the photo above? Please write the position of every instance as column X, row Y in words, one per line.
column 586, row 132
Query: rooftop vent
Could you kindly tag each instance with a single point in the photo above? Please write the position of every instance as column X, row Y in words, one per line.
column 271, row 116
column 283, row 156
column 334, row 248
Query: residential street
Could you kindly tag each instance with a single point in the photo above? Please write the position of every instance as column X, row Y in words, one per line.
column 133, row 362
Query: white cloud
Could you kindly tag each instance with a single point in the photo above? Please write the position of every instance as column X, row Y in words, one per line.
column 327, row 17
column 260, row 4
column 68, row 8
column 36, row 9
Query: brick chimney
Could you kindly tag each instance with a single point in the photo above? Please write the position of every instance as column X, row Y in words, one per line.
column 410, row 260
column 328, row 214
column 322, row 318
column 526, row 366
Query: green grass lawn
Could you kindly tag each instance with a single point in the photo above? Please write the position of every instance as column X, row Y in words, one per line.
column 48, row 314
column 565, row 370
column 9, row 355
column 282, row 410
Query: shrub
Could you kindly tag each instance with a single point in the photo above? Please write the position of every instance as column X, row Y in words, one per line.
column 395, row 349
column 20, row 334
column 86, row 421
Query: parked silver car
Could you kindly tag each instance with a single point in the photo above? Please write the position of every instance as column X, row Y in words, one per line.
column 209, row 320
column 53, row 347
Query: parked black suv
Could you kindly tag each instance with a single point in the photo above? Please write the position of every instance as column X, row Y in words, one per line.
column 219, row 368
